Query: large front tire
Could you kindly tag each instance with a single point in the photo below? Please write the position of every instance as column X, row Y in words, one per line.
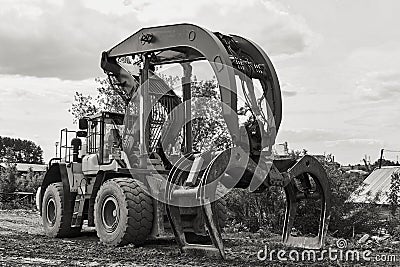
column 123, row 212
column 56, row 219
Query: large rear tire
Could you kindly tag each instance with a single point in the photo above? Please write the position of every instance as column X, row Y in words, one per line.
column 123, row 212
column 56, row 219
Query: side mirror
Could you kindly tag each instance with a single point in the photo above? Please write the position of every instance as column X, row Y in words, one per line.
column 81, row 134
column 83, row 124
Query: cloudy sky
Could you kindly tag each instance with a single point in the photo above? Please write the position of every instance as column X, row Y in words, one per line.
column 338, row 62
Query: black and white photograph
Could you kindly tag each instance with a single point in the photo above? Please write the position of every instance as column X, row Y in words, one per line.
column 199, row 133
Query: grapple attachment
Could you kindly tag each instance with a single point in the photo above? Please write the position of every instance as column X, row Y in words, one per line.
column 184, row 190
column 307, row 181
column 252, row 110
column 302, row 180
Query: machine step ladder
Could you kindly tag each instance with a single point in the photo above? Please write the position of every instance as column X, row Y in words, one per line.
column 78, row 211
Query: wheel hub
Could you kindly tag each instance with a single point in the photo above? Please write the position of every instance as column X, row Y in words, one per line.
column 110, row 213
column 51, row 211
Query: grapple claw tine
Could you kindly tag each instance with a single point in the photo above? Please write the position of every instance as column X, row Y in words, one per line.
column 215, row 234
column 173, row 215
column 291, row 211
column 307, row 166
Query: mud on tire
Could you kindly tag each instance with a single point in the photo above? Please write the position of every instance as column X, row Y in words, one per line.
column 123, row 212
column 56, row 219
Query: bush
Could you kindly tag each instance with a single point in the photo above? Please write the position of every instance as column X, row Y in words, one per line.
column 255, row 211
column 393, row 223
column 393, row 226
column 267, row 210
column 11, row 181
column 8, row 183
column 345, row 214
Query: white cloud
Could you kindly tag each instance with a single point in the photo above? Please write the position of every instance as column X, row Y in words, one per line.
column 346, row 146
column 349, row 150
column 355, row 141
column 287, row 93
column 48, row 44
column 310, row 135
column 65, row 39
column 266, row 22
column 379, row 85
column 58, row 40
column 7, row 133
column 37, row 108
column 17, row 87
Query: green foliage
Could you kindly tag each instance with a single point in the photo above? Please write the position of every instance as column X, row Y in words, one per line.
column 346, row 214
column 393, row 226
column 394, row 192
column 208, row 126
column 170, row 80
column 28, row 182
column 385, row 162
column 393, row 223
column 255, row 211
column 8, row 180
column 396, row 230
column 107, row 99
column 266, row 210
column 21, row 151
column 12, row 181
column 83, row 106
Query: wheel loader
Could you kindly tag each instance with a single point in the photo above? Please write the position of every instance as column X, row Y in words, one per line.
column 138, row 176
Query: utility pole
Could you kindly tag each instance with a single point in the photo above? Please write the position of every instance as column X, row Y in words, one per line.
column 381, row 158
column 57, row 143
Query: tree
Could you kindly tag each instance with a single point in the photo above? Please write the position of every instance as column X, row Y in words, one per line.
column 208, row 126
column 8, row 179
column 21, row 151
column 385, row 162
column 28, row 182
column 257, row 211
column 107, row 99
column 266, row 210
column 345, row 214
column 394, row 193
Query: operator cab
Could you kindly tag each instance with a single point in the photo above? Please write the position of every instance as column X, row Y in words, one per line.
column 104, row 135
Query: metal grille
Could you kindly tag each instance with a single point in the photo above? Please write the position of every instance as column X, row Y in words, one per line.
column 159, row 114
column 65, row 148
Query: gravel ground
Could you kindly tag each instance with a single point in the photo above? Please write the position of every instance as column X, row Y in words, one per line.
column 23, row 243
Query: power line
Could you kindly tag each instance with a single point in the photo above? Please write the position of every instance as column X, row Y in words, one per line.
column 388, row 150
